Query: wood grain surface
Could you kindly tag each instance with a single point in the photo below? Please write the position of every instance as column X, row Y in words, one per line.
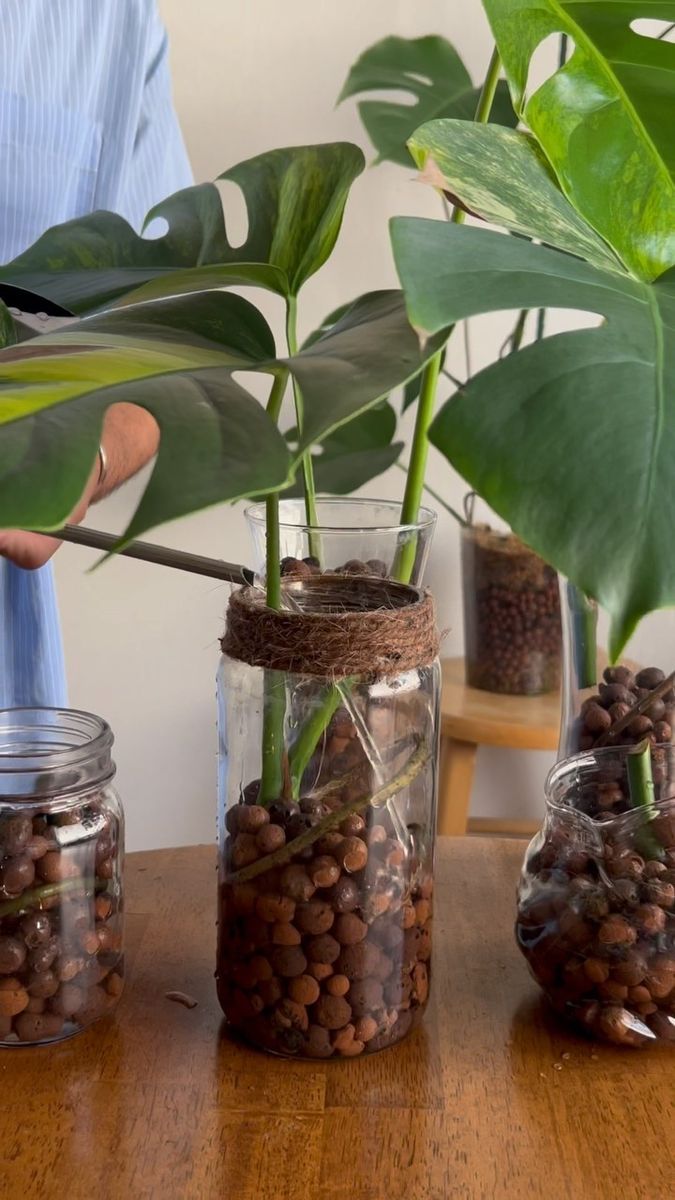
column 492, row 1098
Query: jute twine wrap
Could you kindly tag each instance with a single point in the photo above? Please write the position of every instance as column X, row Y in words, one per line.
column 334, row 626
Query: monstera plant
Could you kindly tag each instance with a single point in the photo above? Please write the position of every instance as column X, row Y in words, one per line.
column 572, row 438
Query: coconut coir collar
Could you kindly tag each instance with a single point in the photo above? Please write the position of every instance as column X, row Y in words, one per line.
column 334, row 626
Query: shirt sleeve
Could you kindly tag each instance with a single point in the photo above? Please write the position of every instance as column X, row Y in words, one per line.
column 159, row 164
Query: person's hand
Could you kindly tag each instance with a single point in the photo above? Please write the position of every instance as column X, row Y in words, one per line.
column 33, row 550
column 131, row 437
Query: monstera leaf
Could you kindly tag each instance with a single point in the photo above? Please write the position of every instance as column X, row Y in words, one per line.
column 503, row 177
column 572, row 439
column 354, row 453
column 605, row 119
column 428, row 68
column 295, row 200
column 177, row 358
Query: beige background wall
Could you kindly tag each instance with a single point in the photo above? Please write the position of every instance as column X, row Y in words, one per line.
column 142, row 641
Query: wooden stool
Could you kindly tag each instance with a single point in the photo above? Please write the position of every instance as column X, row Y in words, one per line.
column 471, row 718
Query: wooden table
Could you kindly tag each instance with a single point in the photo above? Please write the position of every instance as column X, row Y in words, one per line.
column 471, row 718
column 491, row 1100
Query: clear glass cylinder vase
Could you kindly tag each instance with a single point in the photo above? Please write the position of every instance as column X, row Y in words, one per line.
column 512, row 630
column 352, row 535
column 61, row 862
column 596, row 899
column 326, row 888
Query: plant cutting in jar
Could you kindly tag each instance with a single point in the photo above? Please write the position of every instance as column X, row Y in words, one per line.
column 337, row 837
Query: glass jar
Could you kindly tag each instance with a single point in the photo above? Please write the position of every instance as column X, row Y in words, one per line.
column 511, row 615
column 596, row 900
column 602, row 704
column 61, row 859
column 353, row 535
column 326, row 890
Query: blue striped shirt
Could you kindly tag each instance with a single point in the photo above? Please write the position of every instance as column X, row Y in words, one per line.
column 86, row 122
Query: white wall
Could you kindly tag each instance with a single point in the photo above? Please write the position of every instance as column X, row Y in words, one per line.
column 142, row 641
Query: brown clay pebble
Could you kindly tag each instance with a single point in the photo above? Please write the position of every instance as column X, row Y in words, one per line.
column 359, row 961
column 43, row 984
column 650, row 918
column 16, row 874
column 631, row 970
column 13, row 997
column 295, row 882
column 114, row 984
column 290, row 1015
column 251, row 818
column 365, row 1029
column 275, row 908
column 270, row 838
column 353, row 826
column 323, row 949
column 38, row 1027
column 315, row 917
column 353, row 1049
column 15, row 834
column 649, row 678
column 35, row 929
column 68, row 1000
column 616, row 931
column 318, row 1044
column 332, row 1012
column 37, row 847
column 421, row 983
column 244, row 851
column 270, row 991
column 288, row 961
column 365, row 995
column 345, row 895
column 324, row 871
column 597, row 719
column 658, row 892
column 596, row 970
column 12, row 955
column 349, row 929
column 243, row 896
column 285, row 934
column 320, row 971
column 352, row 854
column 337, row 985
column 304, row 990
column 342, row 1039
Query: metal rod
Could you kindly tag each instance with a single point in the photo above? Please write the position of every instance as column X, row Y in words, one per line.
column 196, row 564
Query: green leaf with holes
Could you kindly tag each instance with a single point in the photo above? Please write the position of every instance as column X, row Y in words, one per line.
column 426, row 68
column 295, row 200
column 605, row 119
column 572, row 439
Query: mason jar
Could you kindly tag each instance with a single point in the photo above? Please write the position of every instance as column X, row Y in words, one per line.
column 596, row 900
column 61, row 861
column 326, row 869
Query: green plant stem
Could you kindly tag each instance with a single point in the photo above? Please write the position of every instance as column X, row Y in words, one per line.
column 437, row 497
column 34, row 898
column 405, row 556
column 307, row 467
column 541, row 324
column 487, row 94
column 640, row 779
column 418, row 759
column 309, row 735
column 274, row 688
column 584, row 637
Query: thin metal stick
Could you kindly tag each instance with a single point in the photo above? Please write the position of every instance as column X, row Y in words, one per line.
column 195, row 564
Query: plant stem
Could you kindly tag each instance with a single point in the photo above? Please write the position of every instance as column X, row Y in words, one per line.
column 562, row 50
column 437, row 497
column 642, row 795
column 418, row 759
column 487, row 93
column 35, row 897
column 307, row 466
column 405, row 555
column 309, row 735
column 584, row 637
column 541, row 324
column 518, row 331
column 640, row 780
column 274, row 686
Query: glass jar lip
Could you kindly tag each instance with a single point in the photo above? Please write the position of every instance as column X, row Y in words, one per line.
column 256, row 514
column 97, row 738
column 590, row 759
